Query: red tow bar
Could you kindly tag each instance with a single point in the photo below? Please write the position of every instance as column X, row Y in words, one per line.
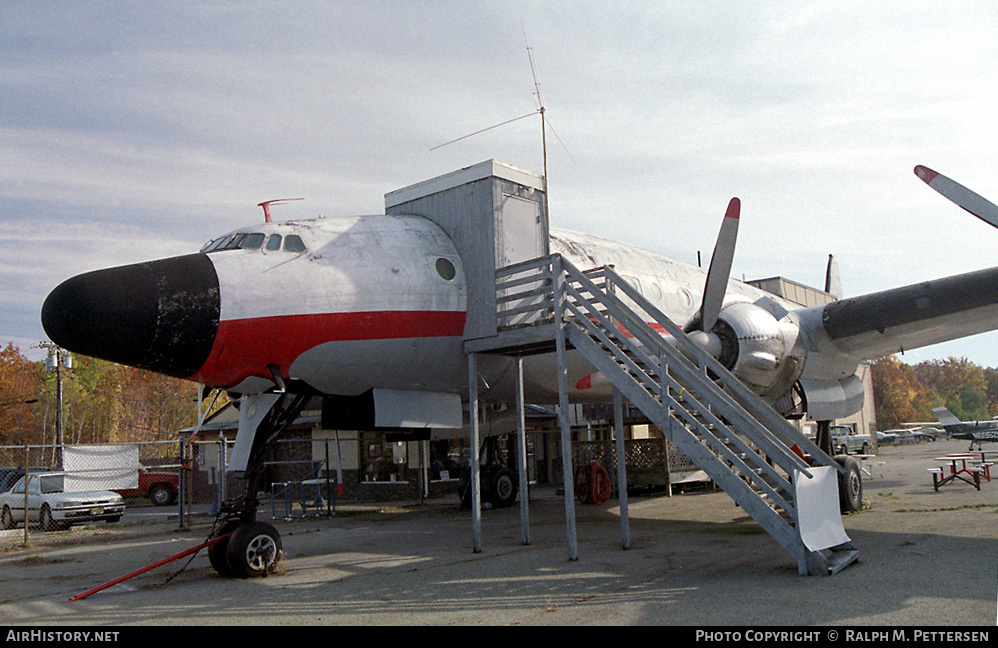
column 160, row 563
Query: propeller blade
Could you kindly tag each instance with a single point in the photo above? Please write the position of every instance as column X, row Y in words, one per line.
column 977, row 205
column 720, row 266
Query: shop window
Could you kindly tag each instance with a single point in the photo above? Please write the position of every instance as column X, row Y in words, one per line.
column 381, row 460
column 448, row 458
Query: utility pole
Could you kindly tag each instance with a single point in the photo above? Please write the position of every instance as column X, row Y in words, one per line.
column 57, row 360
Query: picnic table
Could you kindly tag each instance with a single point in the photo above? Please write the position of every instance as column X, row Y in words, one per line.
column 980, row 458
column 958, row 469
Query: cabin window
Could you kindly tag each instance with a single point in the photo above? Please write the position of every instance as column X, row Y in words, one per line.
column 293, row 243
column 446, row 269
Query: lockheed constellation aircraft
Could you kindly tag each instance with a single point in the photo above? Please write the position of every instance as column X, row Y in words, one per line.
column 370, row 312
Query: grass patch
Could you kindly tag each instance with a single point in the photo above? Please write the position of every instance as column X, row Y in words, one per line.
column 961, row 507
column 37, row 561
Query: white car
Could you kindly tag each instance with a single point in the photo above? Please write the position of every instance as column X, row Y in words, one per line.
column 55, row 509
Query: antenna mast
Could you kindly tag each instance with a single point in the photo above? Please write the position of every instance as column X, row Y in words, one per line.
column 539, row 99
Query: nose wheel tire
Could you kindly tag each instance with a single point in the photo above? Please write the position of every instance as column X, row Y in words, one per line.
column 254, row 550
column 218, row 553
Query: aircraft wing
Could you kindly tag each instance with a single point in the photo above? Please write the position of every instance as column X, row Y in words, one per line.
column 881, row 323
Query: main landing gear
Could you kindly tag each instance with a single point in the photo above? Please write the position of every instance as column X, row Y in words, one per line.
column 497, row 479
column 253, row 548
column 851, row 479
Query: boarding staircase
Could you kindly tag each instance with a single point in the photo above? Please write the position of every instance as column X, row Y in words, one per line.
column 742, row 443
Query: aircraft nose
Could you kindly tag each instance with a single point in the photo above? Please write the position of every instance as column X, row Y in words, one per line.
column 159, row 315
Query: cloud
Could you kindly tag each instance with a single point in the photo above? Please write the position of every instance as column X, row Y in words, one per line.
column 135, row 129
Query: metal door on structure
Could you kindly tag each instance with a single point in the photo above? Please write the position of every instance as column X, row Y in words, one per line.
column 520, row 236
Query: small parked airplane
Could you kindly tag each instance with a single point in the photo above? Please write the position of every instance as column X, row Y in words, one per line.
column 372, row 312
column 976, row 431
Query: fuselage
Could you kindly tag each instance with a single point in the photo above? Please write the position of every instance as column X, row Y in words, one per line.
column 343, row 305
column 368, row 301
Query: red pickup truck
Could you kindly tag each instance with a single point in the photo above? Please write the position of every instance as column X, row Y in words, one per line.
column 159, row 487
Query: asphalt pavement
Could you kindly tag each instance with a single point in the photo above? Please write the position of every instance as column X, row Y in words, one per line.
column 927, row 558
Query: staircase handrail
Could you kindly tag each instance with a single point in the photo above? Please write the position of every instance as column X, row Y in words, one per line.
column 745, row 396
column 768, row 442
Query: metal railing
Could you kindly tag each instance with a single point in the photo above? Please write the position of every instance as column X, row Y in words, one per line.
column 738, row 439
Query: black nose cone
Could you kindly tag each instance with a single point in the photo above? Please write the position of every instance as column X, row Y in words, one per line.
column 159, row 315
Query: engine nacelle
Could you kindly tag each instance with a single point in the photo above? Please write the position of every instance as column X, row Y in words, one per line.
column 759, row 344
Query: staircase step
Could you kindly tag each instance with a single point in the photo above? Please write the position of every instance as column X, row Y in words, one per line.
column 735, row 440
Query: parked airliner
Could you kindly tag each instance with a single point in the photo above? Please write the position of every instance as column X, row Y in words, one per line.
column 371, row 311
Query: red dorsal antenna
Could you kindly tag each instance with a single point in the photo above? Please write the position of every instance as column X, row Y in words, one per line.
column 267, row 203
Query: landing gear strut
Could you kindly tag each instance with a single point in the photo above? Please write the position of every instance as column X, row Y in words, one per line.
column 498, row 482
column 851, row 481
column 254, row 548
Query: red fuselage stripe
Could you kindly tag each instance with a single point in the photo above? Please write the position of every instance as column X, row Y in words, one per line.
column 245, row 347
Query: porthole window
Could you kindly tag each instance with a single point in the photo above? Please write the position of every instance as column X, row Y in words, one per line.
column 446, row 269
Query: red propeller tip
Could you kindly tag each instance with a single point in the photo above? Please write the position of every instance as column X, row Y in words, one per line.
column 734, row 208
column 926, row 174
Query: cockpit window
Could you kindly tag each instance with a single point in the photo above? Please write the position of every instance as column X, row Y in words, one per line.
column 214, row 244
column 293, row 243
column 255, row 241
column 252, row 241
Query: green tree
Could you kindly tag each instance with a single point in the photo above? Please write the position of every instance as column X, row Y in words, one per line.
column 961, row 385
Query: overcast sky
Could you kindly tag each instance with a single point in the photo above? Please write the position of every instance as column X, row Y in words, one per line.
column 136, row 130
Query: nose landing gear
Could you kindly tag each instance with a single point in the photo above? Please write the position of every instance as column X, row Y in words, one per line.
column 254, row 548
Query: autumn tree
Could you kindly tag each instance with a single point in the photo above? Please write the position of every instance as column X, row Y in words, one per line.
column 104, row 402
column 20, row 384
column 992, row 392
column 899, row 396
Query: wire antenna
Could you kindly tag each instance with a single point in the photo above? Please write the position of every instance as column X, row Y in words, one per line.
column 538, row 95
column 541, row 109
column 539, row 100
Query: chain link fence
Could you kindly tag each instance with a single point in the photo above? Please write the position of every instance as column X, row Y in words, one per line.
column 64, row 486
column 186, row 482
